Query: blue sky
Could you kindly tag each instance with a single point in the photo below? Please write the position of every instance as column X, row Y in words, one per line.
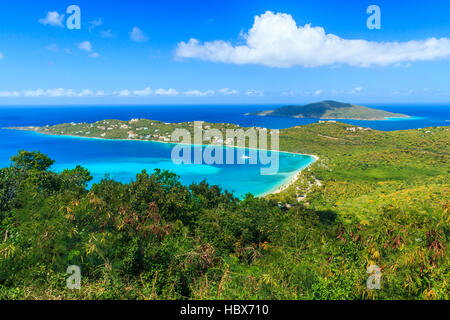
column 140, row 52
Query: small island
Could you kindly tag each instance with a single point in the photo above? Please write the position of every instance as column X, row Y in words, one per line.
column 330, row 110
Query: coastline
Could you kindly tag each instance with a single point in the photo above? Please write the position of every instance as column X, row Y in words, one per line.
column 340, row 119
column 275, row 190
column 294, row 178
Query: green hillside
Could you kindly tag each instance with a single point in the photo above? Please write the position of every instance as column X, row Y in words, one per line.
column 330, row 110
column 372, row 198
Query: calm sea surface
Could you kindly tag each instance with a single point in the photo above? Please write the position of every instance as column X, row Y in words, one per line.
column 123, row 159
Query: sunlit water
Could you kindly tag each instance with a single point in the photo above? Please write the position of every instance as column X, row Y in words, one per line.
column 123, row 159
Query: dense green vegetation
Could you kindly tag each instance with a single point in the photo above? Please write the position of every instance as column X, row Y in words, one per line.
column 373, row 198
column 134, row 129
column 330, row 110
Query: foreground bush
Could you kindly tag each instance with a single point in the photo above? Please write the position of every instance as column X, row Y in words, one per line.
column 157, row 239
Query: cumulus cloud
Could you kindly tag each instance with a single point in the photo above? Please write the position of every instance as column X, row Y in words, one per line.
column 53, row 19
column 137, row 35
column 34, row 93
column 95, row 23
column 289, row 93
column 106, row 33
column 143, row 93
column 275, row 40
column 124, row 93
column 61, row 92
column 198, row 93
column 355, row 90
column 227, row 91
column 1, row 56
column 86, row 46
column 51, row 93
column 86, row 93
column 94, row 55
column 254, row 93
column 9, row 94
column 317, row 92
column 168, row 92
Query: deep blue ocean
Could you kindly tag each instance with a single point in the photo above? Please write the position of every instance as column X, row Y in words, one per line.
column 123, row 159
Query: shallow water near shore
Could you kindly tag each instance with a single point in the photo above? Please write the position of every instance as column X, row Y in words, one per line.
column 122, row 160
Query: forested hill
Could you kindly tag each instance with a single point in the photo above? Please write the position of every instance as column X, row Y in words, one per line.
column 330, row 110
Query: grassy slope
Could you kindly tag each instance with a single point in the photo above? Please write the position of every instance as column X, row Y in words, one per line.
column 382, row 198
column 392, row 187
column 363, row 162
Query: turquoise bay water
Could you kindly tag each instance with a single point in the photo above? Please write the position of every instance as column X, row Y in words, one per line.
column 123, row 159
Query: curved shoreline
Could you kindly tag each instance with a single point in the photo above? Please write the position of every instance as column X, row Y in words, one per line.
column 275, row 190
column 293, row 178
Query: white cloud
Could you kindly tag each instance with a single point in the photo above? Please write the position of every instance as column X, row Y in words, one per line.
column 94, row 55
column 85, row 93
column 9, row 94
column 1, row 56
column 276, row 41
column 86, row 46
column 106, row 34
column 53, row 19
column 227, row 91
column 56, row 93
column 71, row 93
column 95, row 23
column 289, row 93
column 198, row 93
column 254, row 93
column 60, row 92
column 355, row 90
column 52, row 47
column 124, row 93
column 137, row 35
column 168, row 92
column 34, row 93
column 143, row 93
column 317, row 92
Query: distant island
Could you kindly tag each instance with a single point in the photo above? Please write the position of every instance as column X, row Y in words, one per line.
column 330, row 110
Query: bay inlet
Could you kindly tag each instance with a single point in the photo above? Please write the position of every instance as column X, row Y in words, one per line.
column 121, row 160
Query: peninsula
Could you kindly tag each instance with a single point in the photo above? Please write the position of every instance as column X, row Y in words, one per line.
column 137, row 129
